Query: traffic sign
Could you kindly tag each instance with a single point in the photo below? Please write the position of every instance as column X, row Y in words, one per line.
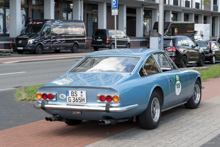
column 114, row 4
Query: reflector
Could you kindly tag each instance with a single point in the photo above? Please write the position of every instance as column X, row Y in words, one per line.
column 44, row 96
column 109, row 98
column 102, row 98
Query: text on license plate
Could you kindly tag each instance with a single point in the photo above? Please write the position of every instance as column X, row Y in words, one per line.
column 99, row 39
column 20, row 48
column 76, row 97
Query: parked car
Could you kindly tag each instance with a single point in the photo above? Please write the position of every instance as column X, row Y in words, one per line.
column 42, row 35
column 183, row 51
column 105, row 38
column 117, row 85
column 211, row 49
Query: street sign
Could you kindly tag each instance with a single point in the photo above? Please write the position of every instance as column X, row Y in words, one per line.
column 114, row 4
column 114, row 11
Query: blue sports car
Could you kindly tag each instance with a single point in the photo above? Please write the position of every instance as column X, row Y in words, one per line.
column 119, row 85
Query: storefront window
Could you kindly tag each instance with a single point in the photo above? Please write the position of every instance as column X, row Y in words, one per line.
column 7, row 24
column 1, row 19
column 147, row 23
column 37, row 2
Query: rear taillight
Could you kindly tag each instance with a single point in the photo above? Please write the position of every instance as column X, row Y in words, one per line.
column 92, row 40
column 107, row 40
column 85, row 39
column 209, row 45
column 173, row 49
column 108, row 98
column 46, row 96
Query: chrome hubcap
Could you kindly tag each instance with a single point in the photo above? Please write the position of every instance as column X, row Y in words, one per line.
column 155, row 109
column 196, row 94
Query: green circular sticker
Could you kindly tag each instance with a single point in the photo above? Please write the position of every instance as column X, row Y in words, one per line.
column 178, row 85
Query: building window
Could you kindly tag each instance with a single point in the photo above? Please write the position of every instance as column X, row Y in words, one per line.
column 37, row 2
column 186, row 17
column 174, row 16
column 187, row 3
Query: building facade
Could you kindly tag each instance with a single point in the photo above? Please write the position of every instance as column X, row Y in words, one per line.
column 136, row 17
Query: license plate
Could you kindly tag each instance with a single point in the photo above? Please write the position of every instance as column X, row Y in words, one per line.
column 99, row 39
column 20, row 48
column 76, row 97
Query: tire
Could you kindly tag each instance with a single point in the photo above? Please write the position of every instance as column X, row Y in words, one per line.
column 194, row 101
column 128, row 45
column 112, row 46
column 56, row 51
column 96, row 48
column 183, row 62
column 20, row 52
column 39, row 49
column 75, row 48
column 150, row 118
column 72, row 122
column 213, row 60
column 201, row 60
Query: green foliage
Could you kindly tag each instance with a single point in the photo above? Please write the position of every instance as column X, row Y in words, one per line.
column 27, row 93
column 212, row 72
column 205, row 2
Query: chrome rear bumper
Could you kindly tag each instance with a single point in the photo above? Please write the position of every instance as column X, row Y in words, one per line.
column 106, row 108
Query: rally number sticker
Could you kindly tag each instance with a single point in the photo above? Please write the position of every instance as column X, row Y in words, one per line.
column 178, row 85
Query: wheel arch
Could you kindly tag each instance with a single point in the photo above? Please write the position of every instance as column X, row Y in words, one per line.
column 159, row 90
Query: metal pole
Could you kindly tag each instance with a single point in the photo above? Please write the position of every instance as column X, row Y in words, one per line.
column 161, row 21
column 115, row 34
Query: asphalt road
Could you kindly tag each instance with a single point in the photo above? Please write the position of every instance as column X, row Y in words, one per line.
column 32, row 73
column 12, row 113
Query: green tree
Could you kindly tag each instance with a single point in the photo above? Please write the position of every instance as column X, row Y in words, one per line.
column 205, row 2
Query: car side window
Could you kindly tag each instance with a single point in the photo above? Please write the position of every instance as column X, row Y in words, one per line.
column 163, row 62
column 123, row 35
column 213, row 45
column 46, row 31
column 149, row 67
column 216, row 45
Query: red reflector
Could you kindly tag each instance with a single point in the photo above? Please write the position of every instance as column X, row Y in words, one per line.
column 173, row 57
column 92, row 40
column 109, row 98
column 107, row 40
column 210, row 54
column 50, row 96
column 102, row 98
column 44, row 96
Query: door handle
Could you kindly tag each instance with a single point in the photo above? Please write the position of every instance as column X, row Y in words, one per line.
column 170, row 80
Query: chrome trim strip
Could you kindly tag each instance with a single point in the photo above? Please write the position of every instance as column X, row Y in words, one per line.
column 174, row 106
column 85, row 108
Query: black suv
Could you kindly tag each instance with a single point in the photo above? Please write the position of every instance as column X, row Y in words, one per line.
column 105, row 38
column 182, row 50
column 211, row 49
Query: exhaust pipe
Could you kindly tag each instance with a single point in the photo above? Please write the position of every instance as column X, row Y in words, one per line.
column 112, row 121
column 53, row 118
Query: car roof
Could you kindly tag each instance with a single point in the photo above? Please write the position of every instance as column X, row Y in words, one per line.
column 141, row 52
column 172, row 37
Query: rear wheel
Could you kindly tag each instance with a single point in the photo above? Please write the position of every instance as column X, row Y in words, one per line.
column 112, row 46
column 150, row 118
column 72, row 122
column 39, row 49
column 201, row 60
column 194, row 101
column 183, row 62
column 213, row 60
column 20, row 52
column 128, row 45
column 96, row 48
column 57, row 51
column 75, row 48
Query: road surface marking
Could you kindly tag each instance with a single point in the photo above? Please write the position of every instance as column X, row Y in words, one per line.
column 7, row 89
column 12, row 73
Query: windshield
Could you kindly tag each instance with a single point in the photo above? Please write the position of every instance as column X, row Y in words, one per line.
column 107, row 64
column 31, row 29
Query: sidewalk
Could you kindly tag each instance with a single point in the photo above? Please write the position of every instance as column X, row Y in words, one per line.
column 16, row 58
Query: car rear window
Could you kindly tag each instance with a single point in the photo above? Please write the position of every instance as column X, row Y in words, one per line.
column 100, row 33
column 202, row 44
column 168, row 42
column 107, row 64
